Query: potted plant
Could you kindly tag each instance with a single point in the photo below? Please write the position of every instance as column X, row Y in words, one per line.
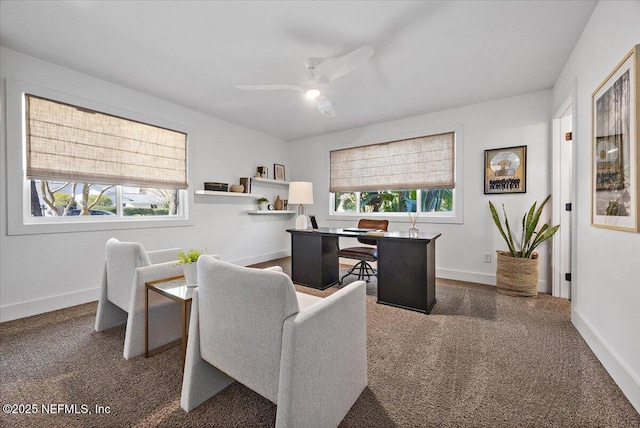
column 517, row 271
column 262, row 202
column 188, row 260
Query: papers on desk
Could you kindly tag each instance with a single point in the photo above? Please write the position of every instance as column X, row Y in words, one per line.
column 358, row 229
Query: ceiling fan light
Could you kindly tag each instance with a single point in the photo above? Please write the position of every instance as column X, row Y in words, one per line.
column 312, row 93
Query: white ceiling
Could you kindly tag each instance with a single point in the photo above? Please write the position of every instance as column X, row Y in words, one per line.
column 429, row 55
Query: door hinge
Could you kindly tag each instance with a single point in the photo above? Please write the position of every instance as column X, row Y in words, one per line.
column 567, row 206
column 567, row 276
column 568, row 136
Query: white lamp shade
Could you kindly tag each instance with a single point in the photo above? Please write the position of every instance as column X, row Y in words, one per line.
column 300, row 192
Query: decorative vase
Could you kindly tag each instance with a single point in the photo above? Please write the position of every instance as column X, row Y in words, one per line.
column 413, row 232
column 191, row 274
column 278, row 204
column 236, row 188
column 516, row 276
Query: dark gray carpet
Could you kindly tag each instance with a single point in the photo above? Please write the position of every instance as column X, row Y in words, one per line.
column 480, row 359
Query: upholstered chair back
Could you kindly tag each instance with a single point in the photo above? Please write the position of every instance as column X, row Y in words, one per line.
column 122, row 260
column 371, row 224
column 242, row 312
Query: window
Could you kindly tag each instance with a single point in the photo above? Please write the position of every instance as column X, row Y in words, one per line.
column 417, row 175
column 57, row 199
column 395, row 201
column 86, row 166
column 70, row 149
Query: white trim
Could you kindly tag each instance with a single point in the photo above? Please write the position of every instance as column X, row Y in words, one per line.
column 620, row 372
column 571, row 93
column 458, row 275
column 17, row 195
column 476, row 277
column 261, row 258
column 560, row 287
column 47, row 304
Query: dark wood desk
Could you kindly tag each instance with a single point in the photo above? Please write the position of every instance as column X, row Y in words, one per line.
column 406, row 266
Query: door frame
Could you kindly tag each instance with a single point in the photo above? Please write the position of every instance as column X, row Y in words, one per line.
column 567, row 244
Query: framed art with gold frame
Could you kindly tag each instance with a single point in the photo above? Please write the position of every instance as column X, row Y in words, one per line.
column 505, row 170
column 615, row 129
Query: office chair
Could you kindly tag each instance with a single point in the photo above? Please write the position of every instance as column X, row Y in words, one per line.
column 365, row 254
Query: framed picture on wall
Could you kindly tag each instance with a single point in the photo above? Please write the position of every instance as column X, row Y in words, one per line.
column 278, row 172
column 505, row 170
column 262, row 172
column 614, row 172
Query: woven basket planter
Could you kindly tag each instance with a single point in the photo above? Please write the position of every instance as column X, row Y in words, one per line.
column 517, row 276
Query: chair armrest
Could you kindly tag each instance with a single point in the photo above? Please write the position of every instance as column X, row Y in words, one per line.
column 324, row 359
column 274, row 268
column 163, row 256
column 150, row 273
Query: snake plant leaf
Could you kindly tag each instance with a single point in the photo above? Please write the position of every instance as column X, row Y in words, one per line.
column 496, row 220
column 512, row 247
column 542, row 237
column 530, row 225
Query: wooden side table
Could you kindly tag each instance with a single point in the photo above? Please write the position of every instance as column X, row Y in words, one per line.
column 176, row 289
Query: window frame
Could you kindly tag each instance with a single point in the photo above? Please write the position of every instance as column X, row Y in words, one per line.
column 19, row 219
column 456, row 216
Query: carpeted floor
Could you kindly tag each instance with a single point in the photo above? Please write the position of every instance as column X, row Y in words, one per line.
column 480, row 359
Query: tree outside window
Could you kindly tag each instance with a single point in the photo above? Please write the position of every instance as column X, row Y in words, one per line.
column 394, row 201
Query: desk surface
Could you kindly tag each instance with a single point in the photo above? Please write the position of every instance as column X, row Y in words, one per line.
column 329, row 231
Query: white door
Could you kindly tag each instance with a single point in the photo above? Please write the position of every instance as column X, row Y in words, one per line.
column 562, row 203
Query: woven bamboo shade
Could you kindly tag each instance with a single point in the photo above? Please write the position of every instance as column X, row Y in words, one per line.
column 70, row 143
column 417, row 163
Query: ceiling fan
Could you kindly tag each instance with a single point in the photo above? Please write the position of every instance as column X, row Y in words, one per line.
column 321, row 73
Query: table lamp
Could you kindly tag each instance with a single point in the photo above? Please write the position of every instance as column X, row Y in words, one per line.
column 301, row 193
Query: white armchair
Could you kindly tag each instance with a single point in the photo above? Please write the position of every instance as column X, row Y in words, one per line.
column 304, row 353
column 127, row 267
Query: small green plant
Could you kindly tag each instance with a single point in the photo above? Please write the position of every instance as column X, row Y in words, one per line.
column 190, row 256
column 531, row 237
column 263, row 200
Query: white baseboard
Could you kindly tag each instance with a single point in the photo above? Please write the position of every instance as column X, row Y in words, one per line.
column 459, row 275
column 261, row 258
column 47, row 304
column 478, row 278
column 619, row 371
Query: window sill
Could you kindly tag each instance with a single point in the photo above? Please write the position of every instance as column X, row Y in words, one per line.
column 94, row 225
column 398, row 217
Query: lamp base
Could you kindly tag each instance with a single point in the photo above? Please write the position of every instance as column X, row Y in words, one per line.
column 301, row 222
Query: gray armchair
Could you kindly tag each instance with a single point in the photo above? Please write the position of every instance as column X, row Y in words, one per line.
column 127, row 267
column 304, row 353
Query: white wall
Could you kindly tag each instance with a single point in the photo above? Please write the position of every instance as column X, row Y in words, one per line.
column 43, row 272
column 521, row 120
column 605, row 287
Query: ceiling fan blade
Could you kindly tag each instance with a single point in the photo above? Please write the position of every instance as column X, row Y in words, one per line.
column 334, row 68
column 271, row 87
column 325, row 106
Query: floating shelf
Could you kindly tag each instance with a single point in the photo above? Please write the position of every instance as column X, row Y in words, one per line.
column 267, row 212
column 266, row 180
column 232, row 194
